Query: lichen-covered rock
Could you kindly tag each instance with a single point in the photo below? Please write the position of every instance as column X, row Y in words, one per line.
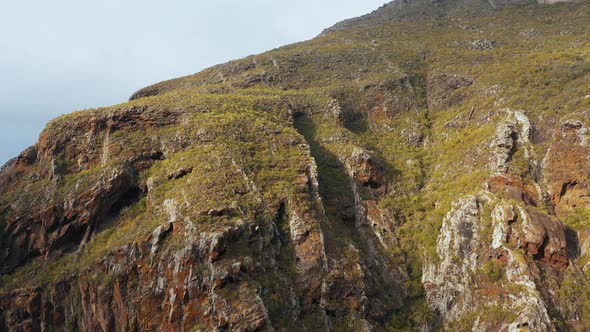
column 376, row 178
column 483, row 44
column 476, row 274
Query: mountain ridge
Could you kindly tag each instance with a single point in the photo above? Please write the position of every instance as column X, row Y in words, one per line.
column 401, row 176
column 428, row 9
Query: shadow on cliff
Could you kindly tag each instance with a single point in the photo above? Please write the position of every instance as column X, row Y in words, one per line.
column 347, row 243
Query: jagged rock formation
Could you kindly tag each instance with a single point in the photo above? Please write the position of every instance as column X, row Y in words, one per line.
column 391, row 174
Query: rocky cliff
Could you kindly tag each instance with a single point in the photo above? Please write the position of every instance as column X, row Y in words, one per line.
column 402, row 171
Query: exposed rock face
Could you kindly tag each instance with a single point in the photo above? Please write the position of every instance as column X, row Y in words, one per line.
column 511, row 135
column 475, row 276
column 457, row 241
column 389, row 175
column 61, row 225
column 566, row 167
column 478, row 270
column 542, row 236
column 151, row 286
column 172, row 296
column 182, row 274
column 307, row 239
column 483, row 44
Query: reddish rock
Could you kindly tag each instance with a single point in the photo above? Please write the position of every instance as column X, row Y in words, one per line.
column 542, row 236
column 567, row 168
column 514, row 188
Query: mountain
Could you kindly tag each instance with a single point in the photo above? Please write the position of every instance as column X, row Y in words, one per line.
column 425, row 167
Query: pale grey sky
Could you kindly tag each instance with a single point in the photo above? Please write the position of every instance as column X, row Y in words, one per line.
column 64, row 55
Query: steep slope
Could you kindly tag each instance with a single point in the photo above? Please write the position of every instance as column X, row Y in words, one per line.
column 407, row 11
column 399, row 172
column 415, row 10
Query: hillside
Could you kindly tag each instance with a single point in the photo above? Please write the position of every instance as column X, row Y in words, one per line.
column 425, row 167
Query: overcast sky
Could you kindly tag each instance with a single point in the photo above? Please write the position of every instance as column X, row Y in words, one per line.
column 64, row 55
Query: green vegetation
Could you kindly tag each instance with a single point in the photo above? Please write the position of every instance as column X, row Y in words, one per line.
column 579, row 218
column 229, row 144
column 575, row 294
column 493, row 270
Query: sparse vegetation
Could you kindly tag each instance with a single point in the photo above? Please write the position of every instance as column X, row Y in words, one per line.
column 243, row 130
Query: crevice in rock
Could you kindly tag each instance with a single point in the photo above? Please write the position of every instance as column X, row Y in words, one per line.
column 278, row 278
column 565, row 187
column 158, row 155
column 351, row 268
column 78, row 235
column 73, row 235
column 572, row 244
column 540, row 255
column 128, row 198
column 179, row 174
column 514, row 147
column 146, row 160
column 349, row 117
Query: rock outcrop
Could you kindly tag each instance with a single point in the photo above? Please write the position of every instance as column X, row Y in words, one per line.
column 422, row 168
